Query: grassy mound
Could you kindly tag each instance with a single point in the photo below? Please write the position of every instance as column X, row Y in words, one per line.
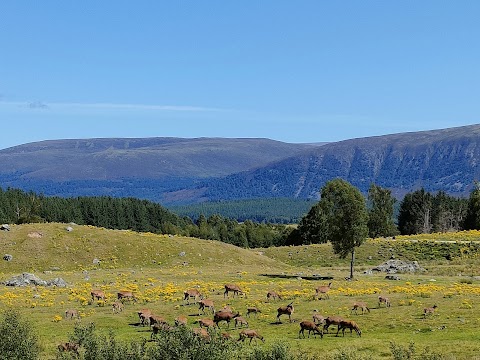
column 40, row 247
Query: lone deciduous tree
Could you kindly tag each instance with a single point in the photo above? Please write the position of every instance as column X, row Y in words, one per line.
column 345, row 218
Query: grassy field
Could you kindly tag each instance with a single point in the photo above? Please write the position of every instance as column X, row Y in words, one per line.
column 159, row 268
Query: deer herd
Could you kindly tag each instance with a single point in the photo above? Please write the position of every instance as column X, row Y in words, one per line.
column 319, row 325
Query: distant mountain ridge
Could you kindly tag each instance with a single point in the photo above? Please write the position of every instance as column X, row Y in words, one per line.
column 176, row 170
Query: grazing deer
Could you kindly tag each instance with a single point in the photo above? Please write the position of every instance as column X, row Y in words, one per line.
column 97, row 294
column 332, row 320
column 285, row 310
column 158, row 320
column 253, row 310
column 362, row 305
column 323, row 290
column 240, row 321
column 69, row 346
column 383, row 300
column 192, row 293
column 206, row 323
column 144, row 316
column 348, row 324
column 126, row 295
column 181, row 320
column 429, row 311
column 224, row 316
column 273, row 295
column 310, row 326
column 202, row 333
column 232, row 288
column 117, row 307
column 206, row 303
column 251, row 334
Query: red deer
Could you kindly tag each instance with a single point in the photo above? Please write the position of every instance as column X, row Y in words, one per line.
column 158, row 320
column 383, row 300
column 332, row 320
column 157, row 327
column 72, row 314
column 206, row 323
column 226, row 308
column 224, row 316
column 429, row 310
column 192, row 293
column 69, row 346
column 240, row 321
column 181, row 320
column 144, row 316
column 232, row 288
column 202, row 333
column 285, row 310
column 253, row 310
column 205, row 303
column 361, row 305
column 348, row 324
column 117, row 307
column 251, row 334
column 126, row 295
column 226, row 336
column 273, row 295
column 310, row 326
column 97, row 294
column 318, row 319
column 323, row 290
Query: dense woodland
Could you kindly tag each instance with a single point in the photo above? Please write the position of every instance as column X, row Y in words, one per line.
column 419, row 212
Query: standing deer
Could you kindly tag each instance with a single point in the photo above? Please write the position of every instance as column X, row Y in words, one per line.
column 232, row 288
column 429, row 310
column 251, row 334
column 273, row 295
column 285, row 310
column 323, row 290
column 383, row 300
column 192, row 293
column 362, row 305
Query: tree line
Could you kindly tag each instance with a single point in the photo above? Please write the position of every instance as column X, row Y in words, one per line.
column 17, row 206
column 418, row 212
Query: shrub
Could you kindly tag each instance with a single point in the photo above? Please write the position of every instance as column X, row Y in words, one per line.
column 18, row 340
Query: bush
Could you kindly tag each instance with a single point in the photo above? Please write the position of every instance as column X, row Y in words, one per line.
column 18, row 340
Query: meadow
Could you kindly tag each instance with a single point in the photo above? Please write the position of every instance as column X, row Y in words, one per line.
column 158, row 268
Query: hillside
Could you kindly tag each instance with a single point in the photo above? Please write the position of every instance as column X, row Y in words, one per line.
column 43, row 247
column 436, row 160
column 177, row 171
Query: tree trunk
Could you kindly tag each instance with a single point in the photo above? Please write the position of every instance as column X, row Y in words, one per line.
column 352, row 261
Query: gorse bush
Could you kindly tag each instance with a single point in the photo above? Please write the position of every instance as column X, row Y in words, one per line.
column 17, row 338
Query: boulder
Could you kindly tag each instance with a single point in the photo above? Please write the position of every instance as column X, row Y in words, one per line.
column 5, row 227
column 26, row 279
column 69, row 228
column 394, row 266
column 392, row 277
column 58, row 282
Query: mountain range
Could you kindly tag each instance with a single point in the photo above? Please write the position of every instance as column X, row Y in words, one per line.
column 179, row 170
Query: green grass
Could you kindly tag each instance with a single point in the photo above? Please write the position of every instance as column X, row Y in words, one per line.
column 151, row 265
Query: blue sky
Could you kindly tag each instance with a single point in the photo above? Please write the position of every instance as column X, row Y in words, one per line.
column 294, row 71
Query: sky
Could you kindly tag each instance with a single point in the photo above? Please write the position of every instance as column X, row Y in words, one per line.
column 293, row 71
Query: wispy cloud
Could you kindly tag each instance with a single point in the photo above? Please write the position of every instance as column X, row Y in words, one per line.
column 109, row 106
column 37, row 105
